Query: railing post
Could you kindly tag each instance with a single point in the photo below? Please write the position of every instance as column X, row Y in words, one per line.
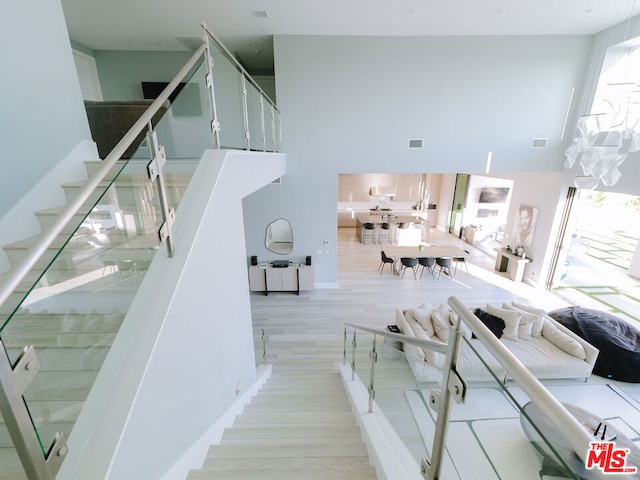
column 353, row 356
column 374, row 360
column 264, row 347
column 154, row 169
column 215, row 124
column 262, row 124
column 451, row 387
column 245, row 110
column 14, row 380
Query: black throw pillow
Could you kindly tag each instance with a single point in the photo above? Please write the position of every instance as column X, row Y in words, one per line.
column 493, row 323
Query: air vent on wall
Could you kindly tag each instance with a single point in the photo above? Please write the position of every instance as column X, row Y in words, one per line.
column 539, row 143
column 416, row 143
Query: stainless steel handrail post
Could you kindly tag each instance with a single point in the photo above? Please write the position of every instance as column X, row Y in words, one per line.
column 262, row 124
column 264, row 347
column 14, row 379
column 245, row 110
column 154, row 169
column 374, row 360
column 209, row 82
column 353, row 356
column 431, row 469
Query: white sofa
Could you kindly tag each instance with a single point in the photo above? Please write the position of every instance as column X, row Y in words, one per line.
column 544, row 346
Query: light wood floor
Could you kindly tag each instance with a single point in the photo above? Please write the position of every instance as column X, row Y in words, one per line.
column 305, row 334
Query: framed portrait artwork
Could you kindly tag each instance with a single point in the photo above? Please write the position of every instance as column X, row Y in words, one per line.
column 524, row 225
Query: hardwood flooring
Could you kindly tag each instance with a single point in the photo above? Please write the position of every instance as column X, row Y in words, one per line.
column 305, row 333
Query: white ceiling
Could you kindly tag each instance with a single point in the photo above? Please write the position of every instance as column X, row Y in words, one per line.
column 157, row 24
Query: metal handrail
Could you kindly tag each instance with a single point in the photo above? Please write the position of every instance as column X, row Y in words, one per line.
column 238, row 65
column 44, row 241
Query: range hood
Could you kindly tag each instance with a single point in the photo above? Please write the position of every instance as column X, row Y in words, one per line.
column 382, row 191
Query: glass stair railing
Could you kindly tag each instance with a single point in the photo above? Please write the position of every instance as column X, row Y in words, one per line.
column 455, row 429
column 62, row 305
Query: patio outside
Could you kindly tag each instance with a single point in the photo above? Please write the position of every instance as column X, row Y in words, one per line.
column 607, row 228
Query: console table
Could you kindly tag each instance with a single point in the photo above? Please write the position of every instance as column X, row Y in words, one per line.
column 294, row 278
column 510, row 263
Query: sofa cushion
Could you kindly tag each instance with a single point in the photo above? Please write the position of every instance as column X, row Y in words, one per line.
column 422, row 315
column 493, row 323
column 536, row 330
column 527, row 321
column 511, row 320
column 405, row 323
column 441, row 322
column 435, row 358
column 562, row 340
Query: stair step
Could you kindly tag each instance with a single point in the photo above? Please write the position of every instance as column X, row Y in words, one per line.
column 295, row 417
column 286, row 449
column 299, row 407
column 325, row 472
column 299, row 430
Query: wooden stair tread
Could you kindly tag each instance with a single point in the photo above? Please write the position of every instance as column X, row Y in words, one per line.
column 308, row 473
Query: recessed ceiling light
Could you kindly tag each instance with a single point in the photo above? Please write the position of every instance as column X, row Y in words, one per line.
column 497, row 11
column 253, row 45
column 125, row 44
column 587, row 10
column 408, row 10
column 259, row 13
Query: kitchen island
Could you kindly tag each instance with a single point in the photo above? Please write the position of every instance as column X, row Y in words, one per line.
column 416, row 231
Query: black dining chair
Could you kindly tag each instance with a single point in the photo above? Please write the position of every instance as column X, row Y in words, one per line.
column 444, row 263
column 462, row 260
column 384, row 261
column 385, row 231
column 409, row 262
column 428, row 263
column 368, row 231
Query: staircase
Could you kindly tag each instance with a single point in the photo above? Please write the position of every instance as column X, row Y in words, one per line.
column 299, row 426
column 75, row 312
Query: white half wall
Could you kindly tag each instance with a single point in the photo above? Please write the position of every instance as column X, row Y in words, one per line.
column 186, row 345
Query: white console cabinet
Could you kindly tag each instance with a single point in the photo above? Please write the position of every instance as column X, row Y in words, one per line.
column 294, row 278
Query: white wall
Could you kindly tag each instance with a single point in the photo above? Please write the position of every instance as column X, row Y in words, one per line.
column 350, row 104
column 43, row 118
column 187, row 341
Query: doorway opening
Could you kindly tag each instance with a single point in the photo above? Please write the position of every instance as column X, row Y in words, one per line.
column 601, row 269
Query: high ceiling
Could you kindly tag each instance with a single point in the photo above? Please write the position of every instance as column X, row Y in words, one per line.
column 247, row 27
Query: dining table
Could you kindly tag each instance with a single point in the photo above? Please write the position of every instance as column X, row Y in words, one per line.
column 435, row 251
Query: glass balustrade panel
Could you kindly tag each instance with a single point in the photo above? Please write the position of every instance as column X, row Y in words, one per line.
column 227, row 84
column 402, row 384
column 490, row 435
column 71, row 305
column 256, row 118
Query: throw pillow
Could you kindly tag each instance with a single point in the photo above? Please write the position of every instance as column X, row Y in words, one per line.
column 493, row 323
column 441, row 322
column 562, row 340
column 536, row 330
column 422, row 315
column 511, row 320
column 527, row 321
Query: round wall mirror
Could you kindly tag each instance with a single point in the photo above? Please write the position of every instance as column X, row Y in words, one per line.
column 279, row 237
